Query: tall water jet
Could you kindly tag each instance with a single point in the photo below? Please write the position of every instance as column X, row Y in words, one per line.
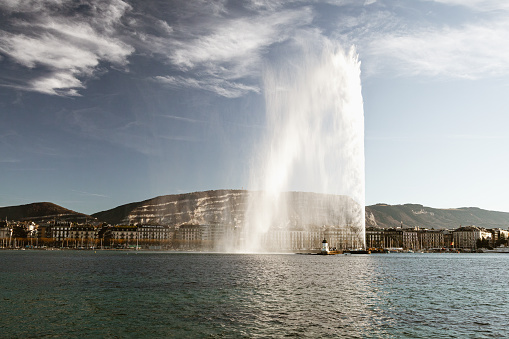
column 314, row 143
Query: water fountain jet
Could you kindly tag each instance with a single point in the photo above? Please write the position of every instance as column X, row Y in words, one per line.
column 314, row 143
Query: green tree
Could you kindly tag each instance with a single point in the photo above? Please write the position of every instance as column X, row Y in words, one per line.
column 501, row 241
column 19, row 231
column 483, row 243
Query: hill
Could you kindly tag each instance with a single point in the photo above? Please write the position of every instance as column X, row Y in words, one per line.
column 411, row 215
column 175, row 209
column 230, row 207
column 42, row 211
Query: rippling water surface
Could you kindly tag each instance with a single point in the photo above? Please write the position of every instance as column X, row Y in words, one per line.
column 145, row 294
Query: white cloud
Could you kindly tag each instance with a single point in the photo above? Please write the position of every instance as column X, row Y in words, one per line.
column 163, row 27
column 66, row 48
column 91, row 194
column 239, row 41
column 29, row 5
column 104, row 13
column 219, row 54
column 471, row 51
column 57, row 84
column 273, row 5
column 184, row 119
column 482, row 5
column 219, row 86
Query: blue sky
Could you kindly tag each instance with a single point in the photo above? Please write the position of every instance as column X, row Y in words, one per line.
column 108, row 102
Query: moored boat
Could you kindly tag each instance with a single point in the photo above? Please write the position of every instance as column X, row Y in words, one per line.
column 497, row 250
column 360, row 251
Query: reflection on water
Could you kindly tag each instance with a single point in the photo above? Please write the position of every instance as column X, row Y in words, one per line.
column 304, row 295
column 118, row 294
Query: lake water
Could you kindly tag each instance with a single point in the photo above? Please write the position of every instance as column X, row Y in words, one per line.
column 110, row 294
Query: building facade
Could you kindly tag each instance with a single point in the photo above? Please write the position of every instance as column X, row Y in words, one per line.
column 466, row 237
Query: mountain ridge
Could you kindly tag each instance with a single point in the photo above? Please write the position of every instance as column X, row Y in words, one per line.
column 417, row 215
column 210, row 207
column 229, row 207
column 42, row 211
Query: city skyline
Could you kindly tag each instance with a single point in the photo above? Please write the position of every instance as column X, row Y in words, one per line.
column 104, row 103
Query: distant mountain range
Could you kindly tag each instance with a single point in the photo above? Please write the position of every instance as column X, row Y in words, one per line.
column 412, row 215
column 229, row 206
column 42, row 211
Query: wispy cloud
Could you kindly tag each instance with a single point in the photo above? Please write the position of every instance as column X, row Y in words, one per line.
column 237, row 41
column 435, row 137
column 180, row 138
column 32, row 169
column 134, row 135
column 91, row 194
column 480, row 5
column 190, row 120
column 472, row 51
column 218, row 47
column 471, row 47
column 138, row 135
column 212, row 46
column 197, row 121
column 387, row 138
column 224, row 54
column 220, row 86
column 17, row 148
column 477, row 137
column 63, row 50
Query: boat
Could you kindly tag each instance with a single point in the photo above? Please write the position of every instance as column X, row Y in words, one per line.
column 327, row 251
column 330, row 252
column 358, row 251
column 497, row 250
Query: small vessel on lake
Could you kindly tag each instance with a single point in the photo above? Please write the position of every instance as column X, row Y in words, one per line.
column 501, row 249
column 327, row 251
column 359, row 251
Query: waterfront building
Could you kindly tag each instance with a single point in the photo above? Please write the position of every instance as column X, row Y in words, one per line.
column 277, row 239
column 189, row 236
column 431, row 239
column 374, row 237
column 393, row 238
column 124, row 235
column 405, row 238
column 215, row 232
column 466, row 237
column 61, row 231
column 410, row 239
column 5, row 235
column 189, row 232
column 156, row 233
column 44, row 231
column 448, row 240
column 340, row 237
column 83, row 235
column 498, row 237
